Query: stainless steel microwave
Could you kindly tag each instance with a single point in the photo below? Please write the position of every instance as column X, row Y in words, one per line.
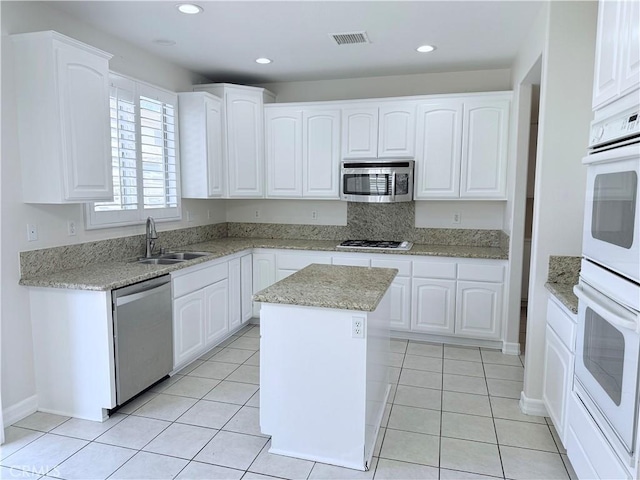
column 377, row 181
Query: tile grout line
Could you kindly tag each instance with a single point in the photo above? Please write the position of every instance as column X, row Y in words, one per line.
column 493, row 419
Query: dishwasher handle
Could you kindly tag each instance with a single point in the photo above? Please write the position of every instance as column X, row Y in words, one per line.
column 140, row 290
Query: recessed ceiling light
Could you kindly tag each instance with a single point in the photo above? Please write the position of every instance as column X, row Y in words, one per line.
column 163, row 42
column 263, row 60
column 189, row 8
column 426, row 48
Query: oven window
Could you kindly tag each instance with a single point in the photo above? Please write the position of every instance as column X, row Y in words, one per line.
column 366, row 184
column 603, row 354
column 402, row 184
column 614, row 208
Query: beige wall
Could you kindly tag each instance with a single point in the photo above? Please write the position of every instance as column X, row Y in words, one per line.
column 392, row 86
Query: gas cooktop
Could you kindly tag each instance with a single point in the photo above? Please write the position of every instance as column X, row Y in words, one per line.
column 375, row 244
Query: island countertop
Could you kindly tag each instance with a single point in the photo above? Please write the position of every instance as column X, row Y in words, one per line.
column 331, row 286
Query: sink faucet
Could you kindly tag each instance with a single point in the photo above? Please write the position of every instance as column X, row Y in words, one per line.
column 151, row 237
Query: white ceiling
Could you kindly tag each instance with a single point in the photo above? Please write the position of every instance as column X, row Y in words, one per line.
column 222, row 42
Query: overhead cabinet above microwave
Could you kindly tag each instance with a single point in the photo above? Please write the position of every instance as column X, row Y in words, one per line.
column 385, row 130
column 62, row 90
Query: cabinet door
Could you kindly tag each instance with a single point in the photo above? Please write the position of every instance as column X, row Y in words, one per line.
column 558, row 368
column 606, row 69
column 83, row 82
column 213, row 115
column 321, row 154
column 438, row 150
column 245, row 144
column 284, row 152
column 264, row 274
column 216, row 299
column 630, row 57
column 400, row 291
column 484, row 149
column 396, row 130
column 235, row 301
column 360, row 132
column 188, row 327
column 246, row 288
column 478, row 309
column 433, row 306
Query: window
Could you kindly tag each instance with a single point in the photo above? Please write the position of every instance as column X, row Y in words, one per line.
column 144, row 156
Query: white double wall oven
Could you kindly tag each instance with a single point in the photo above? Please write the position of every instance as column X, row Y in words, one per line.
column 608, row 341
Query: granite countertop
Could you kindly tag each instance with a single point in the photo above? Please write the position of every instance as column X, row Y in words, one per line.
column 564, row 272
column 110, row 275
column 331, row 286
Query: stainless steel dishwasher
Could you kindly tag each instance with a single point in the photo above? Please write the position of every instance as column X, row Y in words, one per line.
column 143, row 335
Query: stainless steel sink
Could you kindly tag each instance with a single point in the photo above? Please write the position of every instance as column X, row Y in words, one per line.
column 184, row 255
column 159, row 261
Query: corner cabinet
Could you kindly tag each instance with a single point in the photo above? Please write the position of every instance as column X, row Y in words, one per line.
column 243, row 137
column 302, row 151
column 462, row 147
column 62, row 90
column 201, row 154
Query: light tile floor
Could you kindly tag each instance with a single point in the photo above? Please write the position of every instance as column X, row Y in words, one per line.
column 453, row 414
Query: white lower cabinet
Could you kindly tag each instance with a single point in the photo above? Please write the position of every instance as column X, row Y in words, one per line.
column 433, row 306
column 188, row 327
column 216, row 301
column 246, row 288
column 478, row 309
column 559, row 360
column 235, row 293
column 264, row 274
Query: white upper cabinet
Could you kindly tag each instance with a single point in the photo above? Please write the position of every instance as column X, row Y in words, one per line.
column 396, row 130
column 360, row 132
column 438, row 149
column 461, row 148
column 201, row 153
column 321, row 153
column 384, row 131
column 617, row 62
column 302, row 150
column 485, row 129
column 243, row 137
column 62, row 90
column 284, row 152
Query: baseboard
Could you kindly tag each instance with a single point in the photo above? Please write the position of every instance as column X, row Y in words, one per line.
column 531, row 406
column 20, row 410
column 511, row 348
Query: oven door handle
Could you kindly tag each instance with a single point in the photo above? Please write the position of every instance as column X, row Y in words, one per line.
column 606, row 308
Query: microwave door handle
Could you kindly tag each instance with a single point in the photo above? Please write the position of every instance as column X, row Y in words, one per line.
column 612, row 312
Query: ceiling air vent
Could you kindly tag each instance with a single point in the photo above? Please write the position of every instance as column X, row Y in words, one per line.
column 350, row 38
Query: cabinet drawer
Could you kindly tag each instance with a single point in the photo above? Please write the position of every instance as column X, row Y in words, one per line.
column 434, row 270
column 563, row 325
column 199, row 279
column 481, row 272
column 351, row 261
column 403, row 266
column 587, row 448
column 297, row 262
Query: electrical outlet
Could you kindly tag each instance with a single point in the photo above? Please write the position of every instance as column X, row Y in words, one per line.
column 257, row 214
column 314, row 215
column 208, row 214
column 71, row 228
column 357, row 327
column 456, row 218
column 32, row 232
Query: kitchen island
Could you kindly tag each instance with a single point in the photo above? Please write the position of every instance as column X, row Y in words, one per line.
column 324, row 355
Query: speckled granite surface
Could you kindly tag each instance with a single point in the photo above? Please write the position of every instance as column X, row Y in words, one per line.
column 331, row 286
column 107, row 275
column 34, row 263
column 563, row 275
column 381, row 221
